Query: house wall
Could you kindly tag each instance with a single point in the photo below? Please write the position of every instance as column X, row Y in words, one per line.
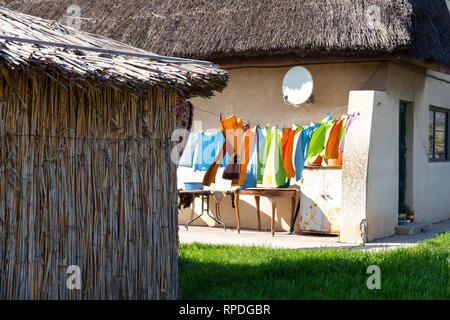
column 255, row 95
column 370, row 188
column 370, row 171
column 370, row 175
column 429, row 193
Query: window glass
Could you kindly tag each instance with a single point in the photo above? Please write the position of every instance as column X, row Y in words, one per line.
column 431, row 135
column 439, row 136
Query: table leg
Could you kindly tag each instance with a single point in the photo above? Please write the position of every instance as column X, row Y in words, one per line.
column 192, row 219
column 274, row 207
column 258, row 212
column 294, row 219
column 238, row 218
column 217, row 218
column 292, row 210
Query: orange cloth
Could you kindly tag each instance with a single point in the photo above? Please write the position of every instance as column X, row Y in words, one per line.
column 332, row 147
column 248, row 141
column 235, row 129
column 287, row 148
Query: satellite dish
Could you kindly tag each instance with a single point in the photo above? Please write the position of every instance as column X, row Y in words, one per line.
column 297, row 85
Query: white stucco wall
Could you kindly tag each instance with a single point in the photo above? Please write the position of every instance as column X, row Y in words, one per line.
column 370, row 176
column 430, row 194
column 370, row 172
column 255, row 94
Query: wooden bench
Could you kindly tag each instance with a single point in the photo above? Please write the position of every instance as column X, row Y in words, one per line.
column 272, row 194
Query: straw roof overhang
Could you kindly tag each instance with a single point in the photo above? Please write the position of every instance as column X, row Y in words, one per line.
column 217, row 30
column 79, row 58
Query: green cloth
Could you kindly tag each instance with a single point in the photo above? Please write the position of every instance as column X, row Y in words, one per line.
column 317, row 142
column 297, row 128
column 344, row 125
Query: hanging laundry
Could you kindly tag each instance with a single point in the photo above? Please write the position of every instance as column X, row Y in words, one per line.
column 207, row 148
column 327, row 119
column 350, row 119
column 189, row 150
column 266, row 156
column 235, row 142
column 287, row 148
column 279, row 173
column 220, row 142
column 274, row 173
column 344, row 119
column 329, row 124
column 244, row 152
column 301, row 145
column 332, row 145
column 252, row 167
column 317, row 142
column 263, row 154
column 298, row 129
column 229, row 125
column 262, row 136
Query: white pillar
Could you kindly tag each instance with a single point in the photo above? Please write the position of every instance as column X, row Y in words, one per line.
column 370, row 170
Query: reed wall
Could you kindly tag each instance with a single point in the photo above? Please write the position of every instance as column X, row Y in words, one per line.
column 85, row 179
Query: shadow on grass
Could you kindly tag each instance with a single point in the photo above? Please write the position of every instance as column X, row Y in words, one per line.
column 231, row 272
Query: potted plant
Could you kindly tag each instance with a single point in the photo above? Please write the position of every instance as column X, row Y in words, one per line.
column 405, row 215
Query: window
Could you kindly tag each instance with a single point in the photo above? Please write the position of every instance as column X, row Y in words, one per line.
column 439, row 135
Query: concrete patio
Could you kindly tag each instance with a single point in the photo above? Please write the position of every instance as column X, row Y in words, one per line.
column 209, row 235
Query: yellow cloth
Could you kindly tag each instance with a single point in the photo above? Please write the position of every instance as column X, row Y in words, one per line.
column 274, row 173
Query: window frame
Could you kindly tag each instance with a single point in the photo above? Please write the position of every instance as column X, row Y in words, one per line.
column 446, row 137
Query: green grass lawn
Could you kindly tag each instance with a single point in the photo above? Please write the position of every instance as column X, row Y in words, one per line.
column 232, row 272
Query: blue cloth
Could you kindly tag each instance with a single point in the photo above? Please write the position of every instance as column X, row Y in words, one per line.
column 207, row 148
column 221, row 141
column 301, row 150
column 252, row 167
column 189, row 150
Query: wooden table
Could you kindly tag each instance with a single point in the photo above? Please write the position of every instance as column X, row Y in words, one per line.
column 272, row 194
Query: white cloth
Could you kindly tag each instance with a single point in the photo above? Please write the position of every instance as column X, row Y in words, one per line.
column 189, row 149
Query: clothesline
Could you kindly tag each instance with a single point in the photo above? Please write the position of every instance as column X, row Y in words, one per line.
column 269, row 156
column 277, row 121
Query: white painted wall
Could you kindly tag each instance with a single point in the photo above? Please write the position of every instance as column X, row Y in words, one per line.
column 370, row 188
column 383, row 176
column 356, row 174
column 430, row 195
column 255, row 94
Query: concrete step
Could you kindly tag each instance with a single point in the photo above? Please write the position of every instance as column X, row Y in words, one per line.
column 413, row 228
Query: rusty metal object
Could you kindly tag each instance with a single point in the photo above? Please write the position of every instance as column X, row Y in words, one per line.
column 321, row 200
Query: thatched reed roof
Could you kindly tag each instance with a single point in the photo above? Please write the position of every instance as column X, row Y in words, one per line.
column 248, row 28
column 73, row 57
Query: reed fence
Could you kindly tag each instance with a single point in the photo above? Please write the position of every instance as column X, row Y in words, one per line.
column 86, row 179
